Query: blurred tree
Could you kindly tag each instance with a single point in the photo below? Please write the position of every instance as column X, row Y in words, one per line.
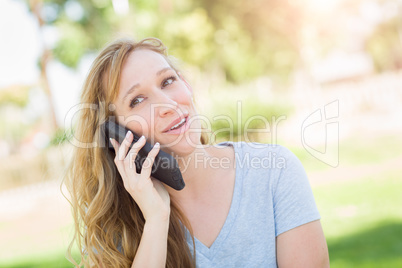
column 385, row 45
column 83, row 25
column 16, row 95
column 256, row 37
column 245, row 39
column 13, row 99
column 36, row 8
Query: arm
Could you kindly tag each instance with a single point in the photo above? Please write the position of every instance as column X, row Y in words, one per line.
column 153, row 246
column 303, row 246
column 152, row 250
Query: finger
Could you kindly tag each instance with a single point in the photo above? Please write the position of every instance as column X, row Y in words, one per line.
column 124, row 146
column 116, row 147
column 132, row 154
column 149, row 161
column 115, row 144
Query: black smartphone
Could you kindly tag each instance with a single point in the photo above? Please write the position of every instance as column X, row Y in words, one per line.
column 165, row 167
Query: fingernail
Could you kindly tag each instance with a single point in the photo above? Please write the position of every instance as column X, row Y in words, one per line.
column 111, row 141
column 128, row 134
column 156, row 145
column 142, row 137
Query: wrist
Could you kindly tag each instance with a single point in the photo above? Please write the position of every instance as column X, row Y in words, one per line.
column 158, row 220
column 155, row 224
column 163, row 215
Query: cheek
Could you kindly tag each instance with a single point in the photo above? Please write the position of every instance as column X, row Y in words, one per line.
column 183, row 97
column 140, row 124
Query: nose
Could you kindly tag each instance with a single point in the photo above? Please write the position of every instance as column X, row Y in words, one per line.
column 166, row 106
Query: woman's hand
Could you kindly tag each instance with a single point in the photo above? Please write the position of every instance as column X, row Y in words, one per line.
column 149, row 194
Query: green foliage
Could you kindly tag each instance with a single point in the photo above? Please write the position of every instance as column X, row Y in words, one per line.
column 12, row 130
column 17, row 95
column 188, row 36
column 80, row 34
column 385, row 45
column 254, row 38
column 202, row 33
column 61, row 136
column 232, row 114
column 254, row 115
column 71, row 47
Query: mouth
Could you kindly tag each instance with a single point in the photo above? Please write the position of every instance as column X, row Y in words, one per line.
column 179, row 127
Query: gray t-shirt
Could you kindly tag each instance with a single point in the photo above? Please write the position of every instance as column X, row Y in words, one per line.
column 271, row 195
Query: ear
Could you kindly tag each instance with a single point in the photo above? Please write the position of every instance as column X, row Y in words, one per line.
column 185, row 82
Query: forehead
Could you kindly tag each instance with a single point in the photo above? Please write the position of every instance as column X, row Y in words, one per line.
column 140, row 64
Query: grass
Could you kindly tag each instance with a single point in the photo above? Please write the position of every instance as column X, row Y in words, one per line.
column 359, row 204
column 362, row 218
column 379, row 246
column 362, row 221
column 370, row 150
column 36, row 258
column 355, row 151
column 54, row 261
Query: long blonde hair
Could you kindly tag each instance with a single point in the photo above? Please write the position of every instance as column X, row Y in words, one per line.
column 108, row 222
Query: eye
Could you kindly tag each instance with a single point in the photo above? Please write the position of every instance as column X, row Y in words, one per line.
column 170, row 78
column 137, row 100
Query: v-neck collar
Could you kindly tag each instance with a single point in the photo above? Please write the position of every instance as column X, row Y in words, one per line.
column 227, row 226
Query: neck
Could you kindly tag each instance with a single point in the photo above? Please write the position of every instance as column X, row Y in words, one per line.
column 197, row 170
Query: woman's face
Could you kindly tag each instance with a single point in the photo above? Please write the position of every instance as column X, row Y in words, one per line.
column 152, row 98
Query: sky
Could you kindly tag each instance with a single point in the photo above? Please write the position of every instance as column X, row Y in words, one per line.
column 20, row 47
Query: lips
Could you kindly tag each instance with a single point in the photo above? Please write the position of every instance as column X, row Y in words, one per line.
column 175, row 122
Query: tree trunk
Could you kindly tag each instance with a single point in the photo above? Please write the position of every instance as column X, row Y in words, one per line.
column 35, row 7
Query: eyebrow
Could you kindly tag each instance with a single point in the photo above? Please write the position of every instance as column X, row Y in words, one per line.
column 134, row 87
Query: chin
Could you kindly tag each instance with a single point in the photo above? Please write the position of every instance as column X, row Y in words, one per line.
column 185, row 146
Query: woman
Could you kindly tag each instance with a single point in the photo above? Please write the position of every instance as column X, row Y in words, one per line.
column 230, row 213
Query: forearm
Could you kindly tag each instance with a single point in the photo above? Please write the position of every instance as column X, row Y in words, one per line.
column 153, row 245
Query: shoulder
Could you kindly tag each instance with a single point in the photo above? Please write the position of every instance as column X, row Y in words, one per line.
column 271, row 167
column 269, row 162
column 254, row 155
column 261, row 166
column 257, row 148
